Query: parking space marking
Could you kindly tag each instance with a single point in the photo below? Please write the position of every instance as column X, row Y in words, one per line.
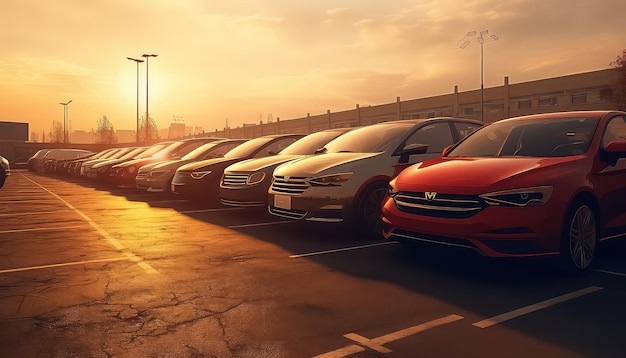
column 377, row 343
column 114, row 242
column 208, row 210
column 343, row 249
column 260, row 224
column 610, row 272
column 63, row 264
column 535, row 307
column 34, row 213
column 42, row 229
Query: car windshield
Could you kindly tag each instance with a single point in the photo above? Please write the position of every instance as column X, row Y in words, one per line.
column 133, row 153
column 198, row 152
column 310, row 143
column 549, row 137
column 370, row 139
column 246, row 149
column 153, row 150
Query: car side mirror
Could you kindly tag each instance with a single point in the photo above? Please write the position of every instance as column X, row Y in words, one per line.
column 411, row 149
column 613, row 151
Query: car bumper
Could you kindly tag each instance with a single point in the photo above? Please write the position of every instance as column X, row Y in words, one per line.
column 493, row 232
column 327, row 205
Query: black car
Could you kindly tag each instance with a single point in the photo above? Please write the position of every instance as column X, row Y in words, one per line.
column 200, row 180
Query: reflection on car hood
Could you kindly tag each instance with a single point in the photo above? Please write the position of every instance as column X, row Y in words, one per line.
column 483, row 172
column 206, row 164
column 253, row 165
column 168, row 164
column 312, row 165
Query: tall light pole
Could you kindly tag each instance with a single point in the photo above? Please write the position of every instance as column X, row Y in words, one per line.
column 147, row 116
column 479, row 38
column 65, row 120
column 138, row 61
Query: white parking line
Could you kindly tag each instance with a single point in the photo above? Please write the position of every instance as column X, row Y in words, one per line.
column 610, row 272
column 207, row 210
column 377, row 343
column 260, row 224
column 63, row 264
column 35, row 213
column 42, row 229
column 343, row 249
column 535, row 307
column 116, row 244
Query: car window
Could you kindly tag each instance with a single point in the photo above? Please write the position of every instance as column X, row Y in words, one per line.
column 463, row 129
column 436, row 135
column 551, row 137
column 615, row 130
column 275, row 147
column 370, row 139
column 221, row 150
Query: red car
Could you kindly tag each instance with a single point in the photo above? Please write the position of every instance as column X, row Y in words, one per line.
column 548, row 184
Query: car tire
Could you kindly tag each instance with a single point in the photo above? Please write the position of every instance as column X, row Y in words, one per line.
column 369, row 209
column 3, row 177
column 579, row 242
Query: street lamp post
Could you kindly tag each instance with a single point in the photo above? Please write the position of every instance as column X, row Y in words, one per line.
column 138, row 61
column 65, row 136
column 147, row 115
column 480, row 38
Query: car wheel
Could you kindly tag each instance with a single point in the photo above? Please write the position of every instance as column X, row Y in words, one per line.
column 580, row 238
column 369, row 210
column 3, row 177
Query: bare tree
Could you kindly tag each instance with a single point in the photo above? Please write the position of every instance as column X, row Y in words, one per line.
column 57, row 135
column 153, row 131
column 104, row 132
column 620, row 93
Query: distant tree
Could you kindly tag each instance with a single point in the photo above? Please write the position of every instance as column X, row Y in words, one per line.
column 153, row 131
column 620, row 93
column 57, row 135
column 105, row 134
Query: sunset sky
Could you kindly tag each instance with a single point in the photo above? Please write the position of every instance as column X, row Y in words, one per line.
column 243, row 60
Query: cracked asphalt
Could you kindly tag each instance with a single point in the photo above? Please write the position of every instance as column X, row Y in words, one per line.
column 88, row 270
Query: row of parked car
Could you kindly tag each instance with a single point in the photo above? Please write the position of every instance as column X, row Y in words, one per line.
column 549, row 184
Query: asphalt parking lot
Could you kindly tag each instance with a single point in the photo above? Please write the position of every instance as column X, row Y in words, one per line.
column 89, row 270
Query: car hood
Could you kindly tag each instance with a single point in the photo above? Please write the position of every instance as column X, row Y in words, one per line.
column 459, row 174
column 253, row 165
column 208, row 163
column 312, row 165
column 139, row 162
column 169, row 164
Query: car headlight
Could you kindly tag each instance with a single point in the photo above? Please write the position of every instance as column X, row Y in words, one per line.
column 158, row 173
column 200, row 175
column 330, row 180
column 392, row 191
column 532, row 196
column 255, row 178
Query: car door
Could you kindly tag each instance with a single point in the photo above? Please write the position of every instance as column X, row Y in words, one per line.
column 610, row 181
column 437, row 135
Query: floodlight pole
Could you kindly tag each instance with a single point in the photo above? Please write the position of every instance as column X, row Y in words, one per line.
column 138, row 61
column 480, row 39
column 65, row 115
column 147, row 115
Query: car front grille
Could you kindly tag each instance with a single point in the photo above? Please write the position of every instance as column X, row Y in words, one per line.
column 438, row 204
column 182, row 178
column 289, row 185
column 234, row 180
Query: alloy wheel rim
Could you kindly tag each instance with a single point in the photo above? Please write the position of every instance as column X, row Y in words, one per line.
column 582, row 237
column 372, row 209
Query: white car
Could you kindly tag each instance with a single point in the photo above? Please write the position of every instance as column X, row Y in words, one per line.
column 6, row 170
